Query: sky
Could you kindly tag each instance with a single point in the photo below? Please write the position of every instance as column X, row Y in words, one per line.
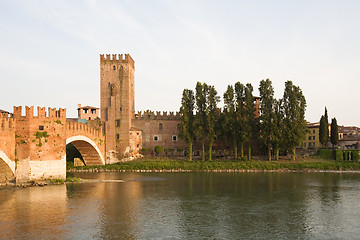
column 50, row 50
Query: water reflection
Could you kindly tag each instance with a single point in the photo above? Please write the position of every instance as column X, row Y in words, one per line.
column 186, row 206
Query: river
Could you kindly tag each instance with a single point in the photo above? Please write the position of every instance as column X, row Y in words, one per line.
column 186, row 206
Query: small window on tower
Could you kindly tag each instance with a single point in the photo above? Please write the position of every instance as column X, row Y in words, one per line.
column 41, row 128
column 117, row 136
column 160, row 126
column 174, row 138
column 117, row 123
column 114, row 67
column 156, row 138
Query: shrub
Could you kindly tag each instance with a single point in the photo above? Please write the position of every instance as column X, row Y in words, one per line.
column 158, row 149
column 325, row 153
column 355, row 155
column 339, row 155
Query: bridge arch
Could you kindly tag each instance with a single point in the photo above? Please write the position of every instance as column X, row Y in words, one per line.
column 88, row 149
column 7, row 168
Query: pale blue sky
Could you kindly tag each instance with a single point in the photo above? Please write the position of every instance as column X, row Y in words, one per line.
column 50, row 50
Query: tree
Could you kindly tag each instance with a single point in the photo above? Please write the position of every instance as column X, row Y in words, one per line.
column 250, row 122
column 295, row 128
column 201, row 116
column 211, row 111
column 267, row 113
column 229, row 123
column 240, row 115
column 276, row 137
column 334, row 132
column 324, row 129
column 187, row 117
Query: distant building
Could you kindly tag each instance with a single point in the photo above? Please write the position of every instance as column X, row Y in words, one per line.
column 311, row 140
column 349, row 137
column 88, row 113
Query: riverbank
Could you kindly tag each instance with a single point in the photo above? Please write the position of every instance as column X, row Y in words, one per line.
column 310, row 164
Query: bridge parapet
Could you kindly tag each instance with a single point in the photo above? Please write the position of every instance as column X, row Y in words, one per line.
column 7, row 147
column 83, row 129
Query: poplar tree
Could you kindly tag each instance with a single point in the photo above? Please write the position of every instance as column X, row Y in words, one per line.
column 187, row 117
column 229, row 124
column 211, row 111
column 276, row 138
column 295, row 128
column 334, row 132
column 250, row 122
column 201, row 115
column 267, row 113
column 240, row 115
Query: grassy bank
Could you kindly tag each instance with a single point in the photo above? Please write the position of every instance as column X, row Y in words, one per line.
column 171, row 164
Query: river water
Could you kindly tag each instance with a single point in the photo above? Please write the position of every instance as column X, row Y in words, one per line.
column 187, row 206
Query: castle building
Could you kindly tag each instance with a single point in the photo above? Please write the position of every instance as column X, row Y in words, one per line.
column 126, row 133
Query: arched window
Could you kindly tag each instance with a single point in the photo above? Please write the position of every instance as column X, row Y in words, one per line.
column 114, row 67
column 160, row 126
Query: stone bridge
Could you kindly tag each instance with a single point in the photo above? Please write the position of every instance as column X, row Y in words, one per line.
column 33, row 148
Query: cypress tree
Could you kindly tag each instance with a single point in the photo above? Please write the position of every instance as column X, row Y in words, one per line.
column 229, row 123
column 334, row 132
column 322, row 131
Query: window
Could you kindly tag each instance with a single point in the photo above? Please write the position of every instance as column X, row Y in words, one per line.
column 41, row 128
column 304, row 145
column 313, row 144
column 313, row 137
column 160, row 126
column 156, row 138
column 117, row 136
column 309, row 137
column 114, row 67
column 117, row 122
column 174, row 138
column 314, row 131
column 138, row 145
column 309, row 144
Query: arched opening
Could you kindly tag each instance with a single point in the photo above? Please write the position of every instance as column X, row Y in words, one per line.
column 73, row 156
column 7, row 172
column 84, row 149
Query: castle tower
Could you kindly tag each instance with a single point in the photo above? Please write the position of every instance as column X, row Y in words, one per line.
column 116, row 103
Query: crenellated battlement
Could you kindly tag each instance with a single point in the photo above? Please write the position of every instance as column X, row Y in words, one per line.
column 151, row 115
column 80, row 127
column 116, row 59
column 41, row 112
column 7, row 123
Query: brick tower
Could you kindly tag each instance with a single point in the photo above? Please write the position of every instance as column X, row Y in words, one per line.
column 116, row 103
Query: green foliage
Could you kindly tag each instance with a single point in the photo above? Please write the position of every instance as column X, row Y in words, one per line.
column 355, row 155
column 325, row 153
column 169, row 164
column 267, row 107
column 334, row 132
column 57, row 181
column 17, row 136
column 58, row 121
column 322, row 131
column 188, row 119
column 295, row 127
column 338, row 155
column 228, row 127
column 41, row 135
column 73, row 179
column 158, row 149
